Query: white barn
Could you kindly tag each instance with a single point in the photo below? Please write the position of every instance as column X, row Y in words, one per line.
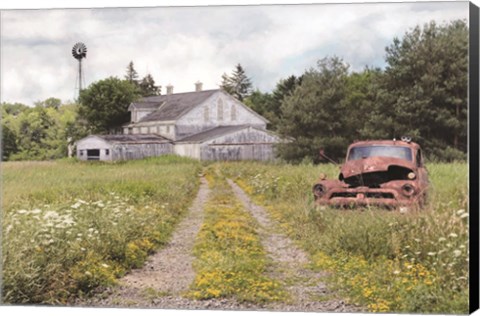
column 122, row 147
column 206, row 125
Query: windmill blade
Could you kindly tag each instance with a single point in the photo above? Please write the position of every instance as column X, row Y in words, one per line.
column 79, row 51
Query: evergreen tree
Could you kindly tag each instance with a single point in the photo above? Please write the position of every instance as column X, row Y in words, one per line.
column 148, row 88
column 131, row 75
column 238, row 84
column 424, row 90
column 269, row 104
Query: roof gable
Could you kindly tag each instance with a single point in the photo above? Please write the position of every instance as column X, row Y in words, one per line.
column 245, row 106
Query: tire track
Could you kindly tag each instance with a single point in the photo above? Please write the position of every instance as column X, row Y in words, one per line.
column 305, row 286
column 167, row 274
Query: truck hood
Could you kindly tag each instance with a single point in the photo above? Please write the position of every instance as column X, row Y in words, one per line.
column 373, row 164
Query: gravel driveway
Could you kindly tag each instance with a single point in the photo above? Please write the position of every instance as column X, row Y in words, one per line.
column 167, row 275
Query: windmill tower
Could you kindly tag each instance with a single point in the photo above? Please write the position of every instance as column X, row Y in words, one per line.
column 79, row 51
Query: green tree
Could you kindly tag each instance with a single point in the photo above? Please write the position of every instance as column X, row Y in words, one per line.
column 148, row 88
column 361, row 98
column 104, row 104
column 269, row 104
column 9, row 141
column 238, row 84
column 425, row 89
column 13, row 108
column 131, row 75
column 50, row 103
column 313, row 116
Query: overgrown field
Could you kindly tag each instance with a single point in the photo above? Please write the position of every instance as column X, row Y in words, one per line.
column 69, row 227
column 386, row 261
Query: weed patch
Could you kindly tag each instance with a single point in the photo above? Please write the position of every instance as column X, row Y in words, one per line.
column 230, row 259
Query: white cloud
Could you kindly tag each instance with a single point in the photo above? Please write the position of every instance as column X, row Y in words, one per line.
column 183, row 45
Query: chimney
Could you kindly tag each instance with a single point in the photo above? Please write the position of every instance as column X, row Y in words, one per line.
column 169, row 89
column 198, row 86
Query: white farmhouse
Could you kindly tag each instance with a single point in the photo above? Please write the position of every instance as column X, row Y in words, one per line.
column 206, row 125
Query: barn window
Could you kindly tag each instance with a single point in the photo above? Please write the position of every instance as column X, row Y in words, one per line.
column 206, row 114
column 233, row 113
column 107, row 152
column 220, row 109
column 81, row 152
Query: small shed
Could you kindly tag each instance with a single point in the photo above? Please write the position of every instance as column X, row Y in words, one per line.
column 243, row 142
column 122, row 147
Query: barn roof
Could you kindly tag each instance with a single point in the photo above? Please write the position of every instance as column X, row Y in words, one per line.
column 213, row 133
column 172, row 106
column 137, row 138
column 146, row 104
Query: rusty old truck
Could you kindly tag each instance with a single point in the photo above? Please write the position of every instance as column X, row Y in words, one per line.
column 384, row 173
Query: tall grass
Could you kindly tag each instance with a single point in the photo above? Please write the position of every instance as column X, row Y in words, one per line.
column 69, row 227
column 384, row 260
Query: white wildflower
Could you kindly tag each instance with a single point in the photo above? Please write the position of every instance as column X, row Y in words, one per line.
column 36, row 211
column 83, row 249
column 50, row 214
column 396, row 272
column 442, row 239
column 68, row 220
column 105, row 265
column 22, row 211
column 464, row 215
column 76, row 205
column 453, row 235
column 417, row 240
column 460, row 212
column 417, row 253
column 431, row 253
column 9, row 228
column 81, row 201
column 88, row 273
column 79, row 235
column 457, row 252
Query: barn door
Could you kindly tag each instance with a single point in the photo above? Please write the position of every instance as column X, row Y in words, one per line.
column 93, row 154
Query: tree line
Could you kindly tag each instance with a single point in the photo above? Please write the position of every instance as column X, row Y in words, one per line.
column 421, row 92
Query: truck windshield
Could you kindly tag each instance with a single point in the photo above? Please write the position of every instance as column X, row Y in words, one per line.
column 380, row 151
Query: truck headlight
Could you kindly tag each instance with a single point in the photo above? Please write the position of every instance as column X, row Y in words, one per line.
column 319, row 190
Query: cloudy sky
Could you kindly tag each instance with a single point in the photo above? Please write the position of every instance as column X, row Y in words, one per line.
column 182, row 45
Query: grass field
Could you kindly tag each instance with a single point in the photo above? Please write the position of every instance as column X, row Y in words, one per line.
column 383, row 260
column 69, row 227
